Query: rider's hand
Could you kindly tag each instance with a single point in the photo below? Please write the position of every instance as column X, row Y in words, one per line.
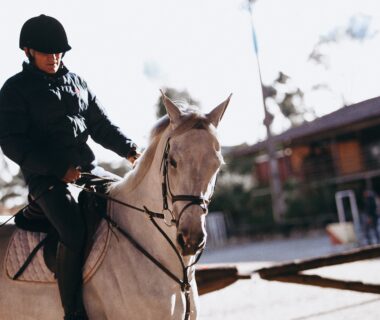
column 72, row 174
column 134, row 157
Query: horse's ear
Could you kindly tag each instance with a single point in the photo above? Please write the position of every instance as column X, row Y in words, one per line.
column 216, row 115
column 173, row 111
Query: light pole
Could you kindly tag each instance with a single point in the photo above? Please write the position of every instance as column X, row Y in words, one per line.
column 278, row 205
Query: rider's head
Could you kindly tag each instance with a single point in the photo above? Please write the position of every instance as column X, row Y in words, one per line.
column 44, row 41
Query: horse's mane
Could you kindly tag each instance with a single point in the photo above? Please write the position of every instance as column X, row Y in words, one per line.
column 191, row 119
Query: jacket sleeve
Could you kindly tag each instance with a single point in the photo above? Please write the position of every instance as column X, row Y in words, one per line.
column 15, row 139
column 103, row 131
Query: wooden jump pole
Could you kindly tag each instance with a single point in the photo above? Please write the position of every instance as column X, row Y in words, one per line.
column 369, row 252
column 291, row 272
column 314, row 280
column 210, row 279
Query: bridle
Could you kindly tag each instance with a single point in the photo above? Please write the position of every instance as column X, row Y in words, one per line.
column 192, row 200
column 169, row 219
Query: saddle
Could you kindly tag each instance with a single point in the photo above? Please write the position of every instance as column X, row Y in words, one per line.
column 38, row 239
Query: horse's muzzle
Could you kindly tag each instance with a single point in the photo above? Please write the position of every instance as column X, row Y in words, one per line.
column 191, row 245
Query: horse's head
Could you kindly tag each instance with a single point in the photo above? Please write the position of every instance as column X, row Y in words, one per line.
column 191, row 161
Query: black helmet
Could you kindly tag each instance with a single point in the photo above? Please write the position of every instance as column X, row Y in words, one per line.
column 45, row 34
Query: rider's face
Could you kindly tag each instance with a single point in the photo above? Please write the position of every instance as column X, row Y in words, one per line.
column 46, row 62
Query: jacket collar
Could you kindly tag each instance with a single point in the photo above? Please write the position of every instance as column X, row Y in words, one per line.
column 34, row 71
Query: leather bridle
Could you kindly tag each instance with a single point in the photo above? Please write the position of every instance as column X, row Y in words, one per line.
column 169, row 219
column 192, row 200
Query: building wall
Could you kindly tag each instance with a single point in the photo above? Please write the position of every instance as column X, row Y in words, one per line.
column 304, row 162
column 349, row 158
column 297, row 158
column 261, row 172
column 351, row 155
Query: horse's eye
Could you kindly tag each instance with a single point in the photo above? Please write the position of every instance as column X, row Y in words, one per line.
column 173, row 163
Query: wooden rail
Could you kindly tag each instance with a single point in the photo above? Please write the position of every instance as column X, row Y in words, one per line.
column 292, row 272
column 210, row 279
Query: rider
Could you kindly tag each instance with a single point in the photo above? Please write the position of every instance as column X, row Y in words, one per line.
column 47, row 114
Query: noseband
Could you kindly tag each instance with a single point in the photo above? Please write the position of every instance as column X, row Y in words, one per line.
column 192, row 200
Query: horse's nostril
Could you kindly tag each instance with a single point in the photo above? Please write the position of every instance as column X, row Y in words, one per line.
column 181, row 240
column 189, row 246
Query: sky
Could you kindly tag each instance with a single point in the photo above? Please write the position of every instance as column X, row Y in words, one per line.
column 128, row 50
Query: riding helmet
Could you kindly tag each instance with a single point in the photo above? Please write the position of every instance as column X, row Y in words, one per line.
column 45, row 34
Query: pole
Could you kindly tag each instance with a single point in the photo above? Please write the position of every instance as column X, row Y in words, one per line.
column 212, row 278
column 292, row 272
column 278, row 205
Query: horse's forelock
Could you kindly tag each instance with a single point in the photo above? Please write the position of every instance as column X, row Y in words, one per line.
column 191, row 119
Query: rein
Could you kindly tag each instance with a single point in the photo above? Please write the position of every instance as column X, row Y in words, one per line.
column 167, row 216
column 184, row 282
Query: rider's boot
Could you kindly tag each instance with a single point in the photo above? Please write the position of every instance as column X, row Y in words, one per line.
column 69, row 276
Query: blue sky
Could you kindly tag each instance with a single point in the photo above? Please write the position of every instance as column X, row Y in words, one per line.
column 127, row 50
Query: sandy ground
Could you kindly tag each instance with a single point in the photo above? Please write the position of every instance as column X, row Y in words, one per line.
column 265, row 300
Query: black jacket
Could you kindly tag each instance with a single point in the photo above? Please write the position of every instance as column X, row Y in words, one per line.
column 45, row 122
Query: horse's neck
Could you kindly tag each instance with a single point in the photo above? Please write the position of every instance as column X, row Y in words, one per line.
column 148, row 193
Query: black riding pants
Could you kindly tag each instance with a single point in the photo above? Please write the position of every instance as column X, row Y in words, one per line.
column 61, row 209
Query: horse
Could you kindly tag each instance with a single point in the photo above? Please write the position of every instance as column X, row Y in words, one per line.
column 148, row 269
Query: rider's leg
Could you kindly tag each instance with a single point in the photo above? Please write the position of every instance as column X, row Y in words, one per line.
column 69, row 276
column 63, row 212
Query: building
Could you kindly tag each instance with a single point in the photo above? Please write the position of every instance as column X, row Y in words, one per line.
column 338, row 151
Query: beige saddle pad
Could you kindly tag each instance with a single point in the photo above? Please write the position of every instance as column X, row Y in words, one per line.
column 23, row 242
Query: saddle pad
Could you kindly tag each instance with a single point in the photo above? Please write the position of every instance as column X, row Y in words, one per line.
column 23, row 242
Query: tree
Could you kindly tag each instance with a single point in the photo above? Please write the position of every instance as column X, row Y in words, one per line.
column 288, row 97
column 358, row 29
column 176, row 96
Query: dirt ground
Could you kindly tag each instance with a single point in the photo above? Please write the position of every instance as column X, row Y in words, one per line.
column 259, row 299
